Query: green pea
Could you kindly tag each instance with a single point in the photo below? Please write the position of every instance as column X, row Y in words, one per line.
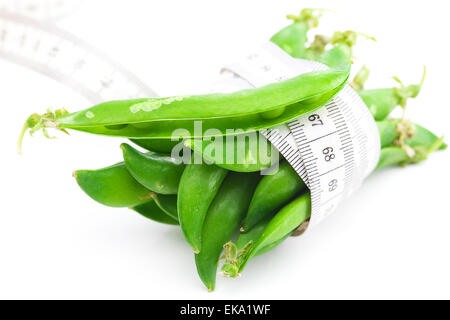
column 168, row 204
column 157, row 172
column 273, row 191
column 273, row 114
column 112, row 186
column 242, row 153
column 198, row 187
column 223, row 219
column 157, row 145
column 151, row 211
column 116, row 127
column 283, row 224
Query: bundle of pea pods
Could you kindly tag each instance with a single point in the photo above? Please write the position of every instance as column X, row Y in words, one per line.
column 230, row 212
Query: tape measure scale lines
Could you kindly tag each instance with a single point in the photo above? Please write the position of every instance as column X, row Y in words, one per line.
column 333, row 149
column 51, row 51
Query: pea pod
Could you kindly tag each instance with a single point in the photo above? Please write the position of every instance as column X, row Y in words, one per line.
column 151, row 211
column 242, row 153
column 407, row 154
column 272, row 246
column 198, row 187
column 415, row 137
column 112, row 186
column 283, row 224
column 381, row 102
column 224, row 216
column 242, row 247
column 272, row 192
column 161, row 117
column 159, row 173
column 294, row 38
column 168, row 204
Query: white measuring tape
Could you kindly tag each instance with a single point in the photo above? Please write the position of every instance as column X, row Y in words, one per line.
column 333, row 149
column 40, row 9
column 47, row 49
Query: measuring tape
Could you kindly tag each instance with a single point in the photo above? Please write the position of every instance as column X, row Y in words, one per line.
column 41, row 9
column 49, row 50
column 333, row 149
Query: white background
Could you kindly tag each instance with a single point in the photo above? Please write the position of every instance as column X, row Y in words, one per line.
column 390, row 241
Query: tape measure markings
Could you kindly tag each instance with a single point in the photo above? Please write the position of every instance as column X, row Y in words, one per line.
column 67, row 59
column 334, row 148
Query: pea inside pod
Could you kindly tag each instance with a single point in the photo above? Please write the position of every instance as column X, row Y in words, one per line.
column 222, row 111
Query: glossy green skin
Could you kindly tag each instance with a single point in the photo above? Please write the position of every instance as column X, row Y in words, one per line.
column 198, row 186
column 217, row 105
column 283, row 224
column 222, row 221
column 156, row 145
column 112, row 186
column 159, row 173
column 151, row 211
column 272, row 192
column 168, row 204
column 250, row 161
column 333, row 58
column 293, row 39
column 254, row 235
column 187, row 128
column 272, row 246
column 388, row 132
column 381, row 102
